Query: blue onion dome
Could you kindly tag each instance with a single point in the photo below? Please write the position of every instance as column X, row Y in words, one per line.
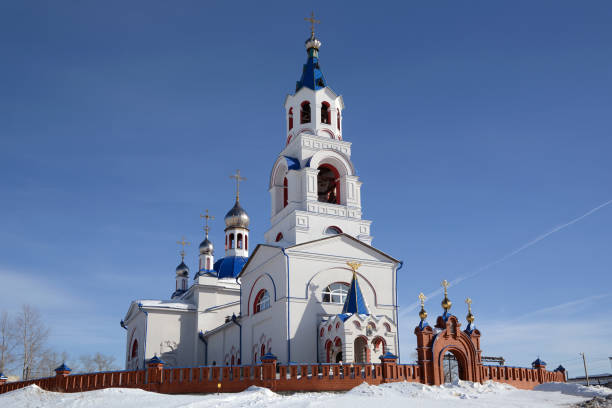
column 182, row 270
column 237, row 217
column 206, row 247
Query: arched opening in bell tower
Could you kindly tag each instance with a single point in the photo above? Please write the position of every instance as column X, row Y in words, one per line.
column 325, row 113
column 290, row 118
column 305, row 112
column 328, row 184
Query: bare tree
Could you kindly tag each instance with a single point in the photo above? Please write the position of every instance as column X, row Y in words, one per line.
column 49, row 361
column 32, row 334
column 97, row 362
column 7, row 342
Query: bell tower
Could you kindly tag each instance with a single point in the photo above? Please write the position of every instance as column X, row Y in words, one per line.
column 314, row 189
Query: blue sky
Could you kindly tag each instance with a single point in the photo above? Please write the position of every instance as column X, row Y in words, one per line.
column 476, row 127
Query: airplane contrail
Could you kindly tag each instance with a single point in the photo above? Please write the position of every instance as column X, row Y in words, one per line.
column 514, row 252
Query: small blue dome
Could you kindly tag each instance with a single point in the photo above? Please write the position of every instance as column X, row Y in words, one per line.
column 538, row 362
column 230, row 266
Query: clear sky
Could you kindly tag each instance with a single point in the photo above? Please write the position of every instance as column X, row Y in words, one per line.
column 476, row 128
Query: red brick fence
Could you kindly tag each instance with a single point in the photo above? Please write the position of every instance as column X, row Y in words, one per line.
column 295, row 377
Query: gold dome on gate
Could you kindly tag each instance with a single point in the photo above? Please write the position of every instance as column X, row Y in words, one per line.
column 446, row 303
column 470, row 316
column 422, row 313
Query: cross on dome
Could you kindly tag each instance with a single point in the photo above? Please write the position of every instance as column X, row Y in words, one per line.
column 238, row 180
column 183, row 243
column 206, row 218
column 312, row 21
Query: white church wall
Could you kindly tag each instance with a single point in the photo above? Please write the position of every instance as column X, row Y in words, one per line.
column 223, row 344
column 170, row 336
column 136, row 327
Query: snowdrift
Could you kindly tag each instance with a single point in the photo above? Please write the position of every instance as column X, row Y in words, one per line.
column 403, row 394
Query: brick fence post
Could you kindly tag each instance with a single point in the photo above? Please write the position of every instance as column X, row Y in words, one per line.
column 269, row 370
column 541, row 367
column 560, row 370
column 389, row 367
column 61, row 377
column 155, row 368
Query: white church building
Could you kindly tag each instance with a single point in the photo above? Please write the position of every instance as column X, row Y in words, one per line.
column 315, row 291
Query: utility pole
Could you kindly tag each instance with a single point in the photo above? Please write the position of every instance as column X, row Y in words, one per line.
column 586, row 373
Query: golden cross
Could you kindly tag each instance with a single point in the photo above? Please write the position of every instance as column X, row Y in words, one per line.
column 312, row 21
column 469, row 303
column 238, row 180
column 445, row 284
column 207, row 217
column 184, row 244
column 354, row 265
column 422, row 298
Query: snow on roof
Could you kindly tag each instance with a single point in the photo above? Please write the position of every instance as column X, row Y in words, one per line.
column 167, row 304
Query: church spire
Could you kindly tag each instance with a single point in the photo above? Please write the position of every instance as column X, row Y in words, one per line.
column 312, row 77
column 355, row 303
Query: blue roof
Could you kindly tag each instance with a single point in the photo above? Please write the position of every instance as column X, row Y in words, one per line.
column 292, row 163
column 230, row 266
column 3, row 377
column 388, row 354
column 312, row 77
column 63, row 367
column 156, row 360
column 354, row 299
column 538, row 362
column 268, row 356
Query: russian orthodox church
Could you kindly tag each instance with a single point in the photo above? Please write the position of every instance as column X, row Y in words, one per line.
column 315, row 291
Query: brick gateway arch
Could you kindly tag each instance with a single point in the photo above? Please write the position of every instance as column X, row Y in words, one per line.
column 446, row 336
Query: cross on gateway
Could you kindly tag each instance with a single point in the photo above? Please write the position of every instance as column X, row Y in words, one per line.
column 445, row 285
column 422, row 298
column 238, row 180
column 312, row 21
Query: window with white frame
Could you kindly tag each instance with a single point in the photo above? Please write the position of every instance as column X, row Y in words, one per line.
column 336, row 292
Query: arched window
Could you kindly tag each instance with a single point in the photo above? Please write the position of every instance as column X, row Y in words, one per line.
column 333, row 230
column 226, row 242
column 387, row 327
column 338, row 116
column 336, row 292
column 328, row 184
column 285, row 192
column 288, row 139
column 231, row 241
column 357, row 325
column 263, row 349
column 322, row 332
column 246, row 242
column 239, row 241
column 305, row 112
column 208, row 264
column 378, row 342
column 290, row 118
column 325, row 113
column 134, row 349
column 262, row 301
column 279, row 237
column 184, row 284
column 233, row 360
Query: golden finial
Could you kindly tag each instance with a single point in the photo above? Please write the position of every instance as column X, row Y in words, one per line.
column 238, row 180
column 312, row 21
column 422, row 313
column 446, row 303
column 354, row 266
column 183, row 243
column 207, row 217
column 470, row 316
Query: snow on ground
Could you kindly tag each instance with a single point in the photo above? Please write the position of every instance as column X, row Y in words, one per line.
column 460, row 394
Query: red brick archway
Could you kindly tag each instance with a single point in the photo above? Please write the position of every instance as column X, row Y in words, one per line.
column 465, row 346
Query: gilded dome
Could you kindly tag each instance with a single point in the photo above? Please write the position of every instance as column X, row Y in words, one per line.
column 237, row 217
